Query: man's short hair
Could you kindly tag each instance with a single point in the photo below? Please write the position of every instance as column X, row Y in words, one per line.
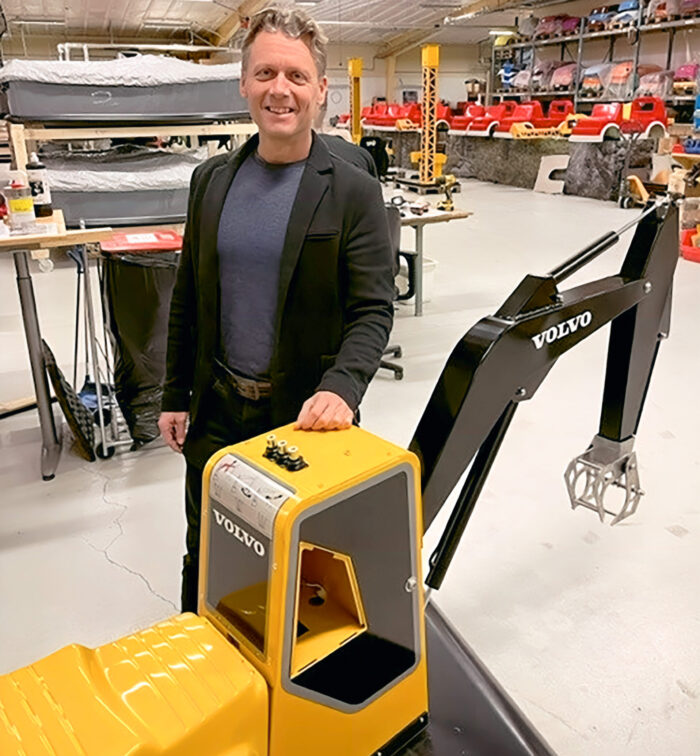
column 293, row 22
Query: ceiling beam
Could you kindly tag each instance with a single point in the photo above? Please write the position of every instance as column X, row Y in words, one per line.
column 405, row 42
column 481, row 7
column 236, row 20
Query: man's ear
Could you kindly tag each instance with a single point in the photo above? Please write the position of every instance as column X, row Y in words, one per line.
column 243, row 86
column 323, row 89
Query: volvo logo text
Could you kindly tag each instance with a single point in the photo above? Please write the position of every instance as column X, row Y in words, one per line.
column 245, row 538
column 566, row 328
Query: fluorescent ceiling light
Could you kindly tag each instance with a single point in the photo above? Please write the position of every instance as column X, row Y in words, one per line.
column 47, row 22
column 165, row 24
column 461, row 17
column 502, row 32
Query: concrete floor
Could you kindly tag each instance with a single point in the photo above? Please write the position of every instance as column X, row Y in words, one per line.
column 594, row 631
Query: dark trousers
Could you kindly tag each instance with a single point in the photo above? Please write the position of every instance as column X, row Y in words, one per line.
column 224, row 418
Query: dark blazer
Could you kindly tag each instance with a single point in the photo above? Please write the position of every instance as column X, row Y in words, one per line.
column 335, row 293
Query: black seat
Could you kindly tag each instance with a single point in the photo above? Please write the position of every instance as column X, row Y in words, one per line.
column 376, row 146
column 394, row 218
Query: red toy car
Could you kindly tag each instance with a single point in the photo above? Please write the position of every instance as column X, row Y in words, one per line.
column 443, row 115
column 471, row 111
column 531, row 114
column 525, row 112
column 385, row 115
column 604, row 123
column 485, row 125
column 648, row 118
column 558, row 111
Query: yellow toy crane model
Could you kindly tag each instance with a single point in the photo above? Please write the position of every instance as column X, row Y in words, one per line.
column 355, row 76
column 314, row 636
column 430, row 161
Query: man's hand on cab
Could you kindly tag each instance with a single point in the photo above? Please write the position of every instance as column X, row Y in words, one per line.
column 173, row 428
column 324, row 411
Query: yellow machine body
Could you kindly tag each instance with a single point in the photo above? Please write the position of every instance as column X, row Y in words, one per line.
column 317, row 649
column 177, row 689
column 335, row 568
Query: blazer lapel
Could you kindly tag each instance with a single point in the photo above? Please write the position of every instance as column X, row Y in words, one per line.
column 314, row 184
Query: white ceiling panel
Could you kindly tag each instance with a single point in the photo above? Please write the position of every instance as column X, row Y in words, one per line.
column 344, row 21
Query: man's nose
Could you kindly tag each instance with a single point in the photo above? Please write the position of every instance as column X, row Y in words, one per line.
column 279, row 85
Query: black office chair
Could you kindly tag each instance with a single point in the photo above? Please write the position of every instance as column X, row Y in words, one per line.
column 394, row 218
column 376, row 146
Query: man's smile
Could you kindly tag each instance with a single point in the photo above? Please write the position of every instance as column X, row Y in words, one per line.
column 277, row 110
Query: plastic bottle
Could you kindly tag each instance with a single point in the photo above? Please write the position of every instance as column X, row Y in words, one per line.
column 38, row 183
column 21, row 208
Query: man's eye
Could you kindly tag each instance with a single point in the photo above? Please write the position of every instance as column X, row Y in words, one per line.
column 264, row 73
column 298, row 76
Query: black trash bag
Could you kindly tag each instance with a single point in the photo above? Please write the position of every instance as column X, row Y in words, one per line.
column 137, row 293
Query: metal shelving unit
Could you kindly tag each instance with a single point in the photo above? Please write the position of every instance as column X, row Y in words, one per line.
column 637, row 31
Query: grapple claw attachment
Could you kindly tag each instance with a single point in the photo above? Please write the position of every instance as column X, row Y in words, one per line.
column 605, row 463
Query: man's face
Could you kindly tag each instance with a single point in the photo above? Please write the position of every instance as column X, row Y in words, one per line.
column 282, row 86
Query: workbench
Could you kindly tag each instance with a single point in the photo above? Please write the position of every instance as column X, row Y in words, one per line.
column 418, row 223
column 38, row 245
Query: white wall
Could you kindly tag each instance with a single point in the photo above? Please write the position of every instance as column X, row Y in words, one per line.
column 457, row 63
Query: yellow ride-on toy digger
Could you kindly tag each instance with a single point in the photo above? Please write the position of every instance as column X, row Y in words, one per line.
column 314, row 635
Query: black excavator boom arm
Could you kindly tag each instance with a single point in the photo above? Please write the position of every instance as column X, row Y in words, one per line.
column 502, row 360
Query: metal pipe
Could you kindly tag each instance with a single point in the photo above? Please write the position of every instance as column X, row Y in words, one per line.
column 92, row 345
column 64, row 48
column 596, row 248
column 441, row 558
column 50, row 436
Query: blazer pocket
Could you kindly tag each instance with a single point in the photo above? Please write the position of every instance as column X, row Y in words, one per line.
column 323, row 235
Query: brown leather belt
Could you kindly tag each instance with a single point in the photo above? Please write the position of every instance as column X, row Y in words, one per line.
column 248, row 388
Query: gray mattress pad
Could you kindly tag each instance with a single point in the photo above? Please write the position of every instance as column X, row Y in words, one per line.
column 121, row 169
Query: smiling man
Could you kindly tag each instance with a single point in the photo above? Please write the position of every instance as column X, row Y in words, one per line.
column 283, row 300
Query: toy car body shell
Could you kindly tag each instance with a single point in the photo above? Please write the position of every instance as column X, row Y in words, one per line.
column 549, row 26
column 460, row 122
column 656, row 84
column 564, row 76
column 627, row 13
column 685, row 79
column 570, row 25
column 521, row 82
column 690, row 7
column 569, row 123
column 594, row 79
column 603, row 123
column 485, row 125
column 597, row 20
column 648, row 118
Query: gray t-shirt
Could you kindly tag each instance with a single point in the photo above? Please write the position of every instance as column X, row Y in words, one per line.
column 250, row 239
